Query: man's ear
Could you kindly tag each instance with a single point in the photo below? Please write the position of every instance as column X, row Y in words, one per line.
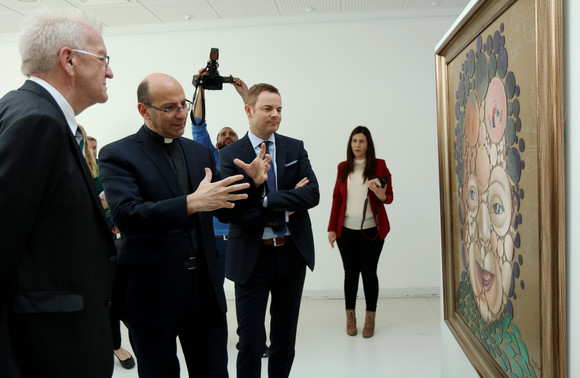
column 66, row 61
column 248, row 110
column 143, row 110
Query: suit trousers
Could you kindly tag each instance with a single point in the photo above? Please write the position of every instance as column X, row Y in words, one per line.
column 203, row 335
column 222, row 248
column 279, row 271
column 360, row 257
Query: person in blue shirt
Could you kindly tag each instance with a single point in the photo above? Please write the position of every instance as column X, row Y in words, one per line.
column 225, row 137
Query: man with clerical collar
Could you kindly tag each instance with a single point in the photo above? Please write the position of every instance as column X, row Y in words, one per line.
column 162, row 190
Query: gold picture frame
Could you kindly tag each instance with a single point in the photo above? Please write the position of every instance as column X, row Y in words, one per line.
column 501, row 166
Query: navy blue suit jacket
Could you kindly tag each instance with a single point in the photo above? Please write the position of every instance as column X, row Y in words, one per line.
column 146, row 205
column 247, row 226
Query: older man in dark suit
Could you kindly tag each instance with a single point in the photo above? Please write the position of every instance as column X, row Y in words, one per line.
column 160, row 191
column 56, row 252
column 271, row 244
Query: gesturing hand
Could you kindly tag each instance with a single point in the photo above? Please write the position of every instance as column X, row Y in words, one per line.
column 211, row 196
column 258, row 168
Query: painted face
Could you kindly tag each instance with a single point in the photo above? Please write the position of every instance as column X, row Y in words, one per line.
column 265, row 116
column 167, row 94
column 92, row 72
column 488, row 206
column 226, row 137
column 359, row 146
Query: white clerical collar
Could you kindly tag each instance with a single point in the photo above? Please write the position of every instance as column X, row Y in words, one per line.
column 68, row 111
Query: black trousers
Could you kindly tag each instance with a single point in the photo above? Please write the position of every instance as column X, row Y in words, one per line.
column 279, row 271
column 360, row 256
column 116, row 329
column 203, row 335
column 118, row 305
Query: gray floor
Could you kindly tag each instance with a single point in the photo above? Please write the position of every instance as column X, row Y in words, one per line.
column 406, row 341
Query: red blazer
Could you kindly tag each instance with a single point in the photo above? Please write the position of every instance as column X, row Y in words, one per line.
column 339, row 202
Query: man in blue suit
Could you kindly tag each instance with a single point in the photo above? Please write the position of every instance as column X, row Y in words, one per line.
column 161, row 189
column 271, row 243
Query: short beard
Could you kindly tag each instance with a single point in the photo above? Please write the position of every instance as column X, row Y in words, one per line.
column 223, row 144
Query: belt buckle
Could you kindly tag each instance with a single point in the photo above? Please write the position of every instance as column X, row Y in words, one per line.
column 192, row 263
column 274, row 241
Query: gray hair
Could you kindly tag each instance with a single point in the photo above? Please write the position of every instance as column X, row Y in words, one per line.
column 47, row 31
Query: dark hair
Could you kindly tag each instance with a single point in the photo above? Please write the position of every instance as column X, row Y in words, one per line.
column 256, row 89
column 222, row 129
column 371, row 161
column 143, row 92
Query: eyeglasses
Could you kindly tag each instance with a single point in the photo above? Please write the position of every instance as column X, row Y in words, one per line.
column 186, row 105
column 103, row 58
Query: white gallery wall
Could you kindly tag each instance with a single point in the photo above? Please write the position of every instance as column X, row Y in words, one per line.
column 333, row 75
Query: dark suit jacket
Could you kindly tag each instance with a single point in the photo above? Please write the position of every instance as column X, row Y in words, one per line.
column 377, row 207
column 247, row 227
column 56, row 252
column 146, row 205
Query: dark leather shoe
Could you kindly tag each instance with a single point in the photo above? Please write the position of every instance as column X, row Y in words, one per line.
column 129, row 363
column 266, row 353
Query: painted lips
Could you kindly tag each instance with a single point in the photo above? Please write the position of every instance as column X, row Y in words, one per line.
column 486, row 278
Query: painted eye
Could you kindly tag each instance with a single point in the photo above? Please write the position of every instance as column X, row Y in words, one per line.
column 500, row 205
column 472, row 195
column 497, row 208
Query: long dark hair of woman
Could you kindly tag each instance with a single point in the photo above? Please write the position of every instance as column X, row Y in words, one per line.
column 371, row 162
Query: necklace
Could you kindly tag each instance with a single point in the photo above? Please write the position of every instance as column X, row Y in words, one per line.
column 359, row 165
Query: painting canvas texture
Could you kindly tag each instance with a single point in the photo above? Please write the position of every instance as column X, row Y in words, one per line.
column 492, row 104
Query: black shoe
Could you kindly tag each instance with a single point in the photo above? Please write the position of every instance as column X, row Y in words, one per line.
column 266, row 353
column 129, row 363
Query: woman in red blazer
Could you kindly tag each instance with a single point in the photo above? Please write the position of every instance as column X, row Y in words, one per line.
column 359, row 223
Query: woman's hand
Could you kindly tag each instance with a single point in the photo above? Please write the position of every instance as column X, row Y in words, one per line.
column 332, row 238
column 381, row 193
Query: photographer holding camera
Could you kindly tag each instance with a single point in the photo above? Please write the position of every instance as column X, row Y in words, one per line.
column 225, row 137
column 359, row 223
column 209, row 78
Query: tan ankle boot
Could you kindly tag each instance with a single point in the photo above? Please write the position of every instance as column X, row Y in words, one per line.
column 351, row 322
column 369, row 327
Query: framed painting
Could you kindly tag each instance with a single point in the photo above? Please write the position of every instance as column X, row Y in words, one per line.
column 501, row 151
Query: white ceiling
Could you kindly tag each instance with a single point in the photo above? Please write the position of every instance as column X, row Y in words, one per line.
column 119, row 13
